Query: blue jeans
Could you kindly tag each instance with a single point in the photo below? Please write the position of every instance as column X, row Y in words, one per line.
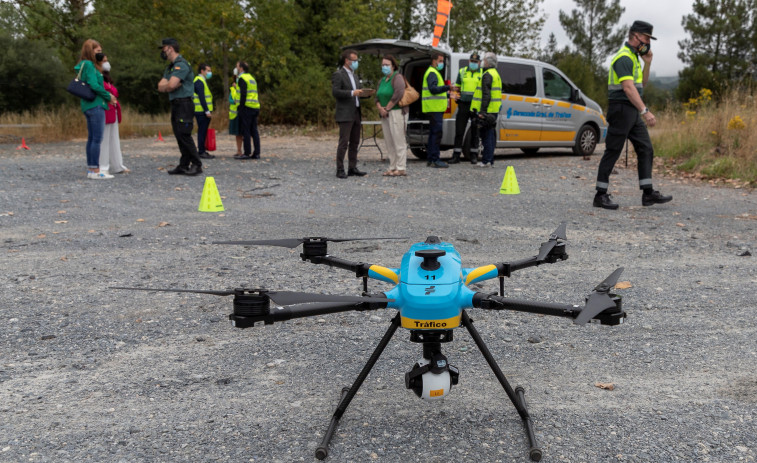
column 489, row 142
column 95, row 129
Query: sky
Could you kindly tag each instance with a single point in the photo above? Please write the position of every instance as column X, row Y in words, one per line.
column 664, row 15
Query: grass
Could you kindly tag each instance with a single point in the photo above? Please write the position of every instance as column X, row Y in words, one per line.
column 711, row 140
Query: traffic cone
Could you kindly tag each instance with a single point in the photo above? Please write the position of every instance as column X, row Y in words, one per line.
column 160, row 137
column 211, row 199
column 22, row 145
column 509, row 183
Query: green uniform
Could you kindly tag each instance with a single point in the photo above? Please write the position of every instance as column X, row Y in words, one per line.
column 180, row 68
column 625, row 65
column 468, row 80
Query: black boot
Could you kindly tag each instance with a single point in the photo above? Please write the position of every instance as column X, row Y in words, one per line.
column 455, row 158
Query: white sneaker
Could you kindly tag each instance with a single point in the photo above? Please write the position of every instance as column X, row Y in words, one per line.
column 98, row 175
column 481, row 164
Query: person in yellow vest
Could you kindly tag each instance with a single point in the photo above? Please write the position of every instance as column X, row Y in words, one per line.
column 233, row 113
column 433, row 104
column 628, row 117
column 467, row 80
column 203, row 101
column 487, row 99
column 248, row 111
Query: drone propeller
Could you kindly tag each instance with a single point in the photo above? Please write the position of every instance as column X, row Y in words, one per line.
column 279, row 297
column 546, row 247
column 294, row 242
column 599, row 300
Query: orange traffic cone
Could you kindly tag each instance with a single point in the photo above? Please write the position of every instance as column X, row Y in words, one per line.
column 160, row 137
column 22, row 145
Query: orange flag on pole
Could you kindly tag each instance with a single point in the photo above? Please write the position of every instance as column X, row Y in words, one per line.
column 443, row 8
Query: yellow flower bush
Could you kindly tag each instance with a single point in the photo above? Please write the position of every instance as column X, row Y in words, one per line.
column 736, row 123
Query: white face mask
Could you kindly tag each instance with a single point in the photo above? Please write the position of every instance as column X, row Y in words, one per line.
column 106, row 66
column 236, row 71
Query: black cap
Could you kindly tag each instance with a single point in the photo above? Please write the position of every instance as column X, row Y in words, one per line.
column 474, row 57
column 643, row 28
column 169, row 41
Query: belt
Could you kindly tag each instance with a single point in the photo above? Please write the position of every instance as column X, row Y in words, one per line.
column 186, row 98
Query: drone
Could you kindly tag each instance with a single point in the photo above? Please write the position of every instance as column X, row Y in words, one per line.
column 431, row 294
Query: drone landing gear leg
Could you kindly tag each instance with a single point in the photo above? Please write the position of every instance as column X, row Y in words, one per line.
column 517, row 397
column 348, row 393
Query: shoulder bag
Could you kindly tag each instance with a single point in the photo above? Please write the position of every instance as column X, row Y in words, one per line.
column 411, row 94
column 81, row 89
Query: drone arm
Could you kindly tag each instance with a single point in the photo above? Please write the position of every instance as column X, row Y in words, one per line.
column 282, row 313
column 360, row 269
column 492, row 302
column 505, row 269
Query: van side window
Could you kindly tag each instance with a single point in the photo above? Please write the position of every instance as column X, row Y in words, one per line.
column 555, row 86
column 517, row 79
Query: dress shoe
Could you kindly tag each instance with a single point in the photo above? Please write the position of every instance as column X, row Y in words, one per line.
column 193, row 170
column 604, row 201
column 439, row 164
column 255, row 156
column 455, row 159
column 355, row 172
column 655, row 197
column 341, row 174
column 206, row 156
column 242, row 156
column 178, row 170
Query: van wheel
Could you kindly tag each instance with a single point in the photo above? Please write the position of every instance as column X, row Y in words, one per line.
column 419, row 153
column 586, row 141
column 530, row 151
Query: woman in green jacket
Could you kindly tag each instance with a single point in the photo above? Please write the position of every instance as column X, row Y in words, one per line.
column 94, row 111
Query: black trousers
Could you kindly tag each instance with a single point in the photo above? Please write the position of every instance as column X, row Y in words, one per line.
column 349, row 141
column 182, row 115
column 625, row 123
column 461, row 121
column 248, row 127
column 203, row 122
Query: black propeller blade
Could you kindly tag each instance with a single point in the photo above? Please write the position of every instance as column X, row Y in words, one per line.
column 279, row 297
column 168, row 290
column 599, row 300
column 294, row 242
column 546, row 247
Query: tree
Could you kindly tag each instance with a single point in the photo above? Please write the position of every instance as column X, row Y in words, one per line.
column 591, row 28
column 721, row 43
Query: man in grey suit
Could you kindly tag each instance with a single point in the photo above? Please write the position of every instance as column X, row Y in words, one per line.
column 346, row 88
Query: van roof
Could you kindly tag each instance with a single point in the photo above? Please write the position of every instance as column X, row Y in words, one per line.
column 500, row 58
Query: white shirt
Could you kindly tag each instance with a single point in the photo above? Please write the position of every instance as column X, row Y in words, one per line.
column 352, row 81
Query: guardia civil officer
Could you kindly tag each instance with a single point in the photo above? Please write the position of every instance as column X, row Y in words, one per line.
column 627, row 115
column 433, row 104
column 203, row 101
column 177, row 81
column 467, row 80
column 487, row 100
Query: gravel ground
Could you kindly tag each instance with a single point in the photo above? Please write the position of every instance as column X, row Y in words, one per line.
column 93, row 374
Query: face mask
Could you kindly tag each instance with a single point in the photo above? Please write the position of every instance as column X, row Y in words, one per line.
column 208, row 75
column 643, row 48
column 99, row 57
column 236, row 71
column 473, row 66
column 386, row 70
column 354, row 65
column 106, row 66
column 440, row 66
column 163, row 55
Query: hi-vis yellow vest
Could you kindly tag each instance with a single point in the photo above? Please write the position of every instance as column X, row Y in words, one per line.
column 469, row 80
column 614, row 82
column 496, row 93
column 251, row 100
column 433, row 103
column 234, row 91
column 208, row 96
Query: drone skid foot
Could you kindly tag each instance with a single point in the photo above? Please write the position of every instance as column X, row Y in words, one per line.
column 517, row 396
column 348, row 393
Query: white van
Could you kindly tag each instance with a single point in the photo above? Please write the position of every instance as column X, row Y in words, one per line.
column 541, row 107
